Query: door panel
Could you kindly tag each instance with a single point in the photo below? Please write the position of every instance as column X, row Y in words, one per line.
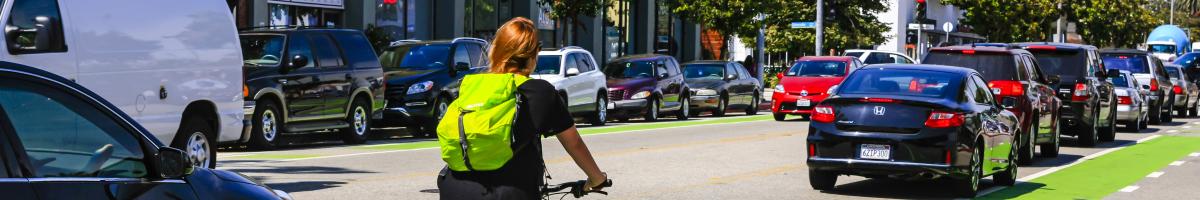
column 302, row 85
column 335, row 76
column 574, row 85
column 125, row 189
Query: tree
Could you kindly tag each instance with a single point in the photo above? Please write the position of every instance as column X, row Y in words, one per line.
column 848, row 24
column 726, row 17
column 1009, row 20
column 569, row 11
column 1112, row 23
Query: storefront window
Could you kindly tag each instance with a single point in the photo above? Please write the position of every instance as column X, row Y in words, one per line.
column 281, row 15
column 616, row 28
column 664, row 29
column 395, row 18
column 483, row 17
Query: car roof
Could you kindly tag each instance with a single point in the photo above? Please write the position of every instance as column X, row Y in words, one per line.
column 296, row 30
column 563, row 51
column 924, row 67
column 638, row 57
column 988, row 49
column 827, row 58
column 1124, row 51
column 428, row 42
column 707, row 62
column 1053, row 46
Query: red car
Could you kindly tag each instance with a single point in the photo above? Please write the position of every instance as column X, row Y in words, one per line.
column 807, row 83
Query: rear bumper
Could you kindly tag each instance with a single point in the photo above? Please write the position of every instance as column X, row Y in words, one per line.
column 882, row 168
column 1181, row 101
column 1127, row 113
column 1074, row 114
column 922, row 155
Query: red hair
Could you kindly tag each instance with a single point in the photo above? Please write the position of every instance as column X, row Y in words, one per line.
column 515, row 48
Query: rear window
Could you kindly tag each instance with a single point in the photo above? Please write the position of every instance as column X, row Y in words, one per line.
column 990, row 66
column 1128, row 62
column 1174, row 72
column 902, row 82
column 1069, row 65
column 548, row 64
column 818, row 68
column 1120, row 81
column 715, row 71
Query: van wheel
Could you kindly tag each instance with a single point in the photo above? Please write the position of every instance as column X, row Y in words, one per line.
column 601, row 114
column 1109, row 133
column 722, row 104
column 265, row 133
column 1192, row 110
column 195, row 138
column 754, row 101
column 652, row 111
column 822, row 180
column 1167, row 116
column 360, row 123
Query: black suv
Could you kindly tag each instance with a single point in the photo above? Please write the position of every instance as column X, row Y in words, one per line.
column 422, row 79
column 1090, row 105
column 646, row 85
column 1150, row 73
column 309, row 80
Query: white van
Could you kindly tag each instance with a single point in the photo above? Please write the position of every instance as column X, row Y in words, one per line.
column 172, row 65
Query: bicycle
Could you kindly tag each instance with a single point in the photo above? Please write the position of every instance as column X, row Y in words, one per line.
column 576, row 189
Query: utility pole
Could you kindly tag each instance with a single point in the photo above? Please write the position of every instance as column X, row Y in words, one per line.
column 820, row 25
column 760, row 46
column 1172, row 14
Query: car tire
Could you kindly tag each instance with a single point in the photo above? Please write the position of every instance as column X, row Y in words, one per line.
column 600, row 117
column 722, row 105
column 780, row 116
column 1008, row 177
column 1051, row 150
column 684, row 108
column 1192, row 111
column 197, row 138
column 752, row 109
column 1167, row 117
column 1025, row 153
column 652, row 110
column 1109, row 133
column 265, row 132
column 967, row 188
column 1089, row 136
column 1145, row 123
column 822, row 180
column 1155, row 114
column 429, row 130
column 360, row 123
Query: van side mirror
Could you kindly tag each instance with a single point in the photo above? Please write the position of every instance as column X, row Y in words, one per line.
column 298, row 61
column 44, row 37
column 572, row 71
column 1008, row 102
column 1054, row 80
column 173, row 163
column 462, row 67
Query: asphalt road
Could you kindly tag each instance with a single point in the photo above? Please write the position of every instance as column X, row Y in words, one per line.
column 760, row 159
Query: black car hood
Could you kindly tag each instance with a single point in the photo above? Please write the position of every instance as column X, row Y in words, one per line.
column 704, row 83
column 234, row 177
column 410, row 76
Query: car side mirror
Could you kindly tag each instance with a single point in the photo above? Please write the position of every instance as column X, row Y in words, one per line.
column 1008, row 102
column 462, row 67
column 662, row 75
column 298, row 61
column 730, row 76
column 1054, row 80
column 173, row 163
column 44, row 37
column 572, row 71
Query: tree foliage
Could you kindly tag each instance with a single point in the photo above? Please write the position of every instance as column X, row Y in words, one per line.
column 726, row 17
column 1103, row 23
column 569, row 11
column 1112, row 23
column 848, row 24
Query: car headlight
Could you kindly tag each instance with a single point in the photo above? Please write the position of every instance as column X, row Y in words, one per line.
column 779, row 88
column 420, row 87
column 706, row 92
column 640, row 95
column 831, row 89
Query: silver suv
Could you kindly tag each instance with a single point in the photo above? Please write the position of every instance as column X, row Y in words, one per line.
column 574, row 73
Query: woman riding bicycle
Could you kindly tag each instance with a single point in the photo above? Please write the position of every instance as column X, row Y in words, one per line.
column 540, row 113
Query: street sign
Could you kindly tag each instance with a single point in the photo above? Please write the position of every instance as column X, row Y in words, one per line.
column 804, row 25
column 920, row 26
column 948, row 27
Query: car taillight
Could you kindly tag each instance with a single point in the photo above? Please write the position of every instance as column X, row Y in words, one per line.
column 812, row 150
column 823, row 114
column 1177, row 90
column 948, row 156
column 943, row 119
column 1007, row 88
column 245, row 91
column 1154, row 85
column 1124, row 100
column 1081, row 93
column 877, row 100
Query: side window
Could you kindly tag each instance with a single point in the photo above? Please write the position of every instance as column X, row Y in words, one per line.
column 1035, row 70
column 476, row 54
column 661, row 68
column 673, row 66
column 63, row 136
column 572, row 62
column 742, row 71
column 983, row 95
column 901, row 59
column 730, row 69
column 1022, row 68
column 585, row 64
column 462, row 55
column 298, row 45
column 326, row 51
column 969, row 88
column 25, row 16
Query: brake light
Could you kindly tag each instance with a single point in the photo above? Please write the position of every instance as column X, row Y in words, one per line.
column 1042, row 47
column 823, row 114
column 948, row 156
column 1154, row 85
column 943, row 119
column 1081, row 93
column 877, row 100
column 812, row 150
column 1007, row 88
column 1177, row 90
column 1124, row 100
column 969, row 52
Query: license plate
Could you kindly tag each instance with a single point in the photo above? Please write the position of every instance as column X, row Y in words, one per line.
column 875, row 151
column 611, row 105
column 803, row 102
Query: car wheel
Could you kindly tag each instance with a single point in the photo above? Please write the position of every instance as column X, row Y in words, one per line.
column 684, row 107
column 754, row 101
column 652, row 111
column 195, row 138
column 1051, row 150
column 1008, row 177
column 1026, row 153
column 968, row 187
column 1192, row 111
column 360, row 123
column 1089, row 137
column 265, row 133
column 1167, row 116
column 1108, row 134
column 822, row 180
column 1144, row 124
column 430, row 128
column 601, row 114
column 780, row 116
column 1155, row 114
column 722, row 104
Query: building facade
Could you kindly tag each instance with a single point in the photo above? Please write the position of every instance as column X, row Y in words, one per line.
column 626, row 27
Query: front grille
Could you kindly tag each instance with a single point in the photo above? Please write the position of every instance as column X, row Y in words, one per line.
column 396, row 90
column 616, row 95
column 792, row 106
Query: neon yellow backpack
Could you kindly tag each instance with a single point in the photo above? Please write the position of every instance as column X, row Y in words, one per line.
column 483, row 114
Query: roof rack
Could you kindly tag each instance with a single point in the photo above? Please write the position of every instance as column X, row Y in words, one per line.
column 572, row 47
column 485, row 42
column 287, row 27
column 400, row 42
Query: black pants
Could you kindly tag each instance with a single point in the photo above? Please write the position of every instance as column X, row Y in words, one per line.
column 486, row 185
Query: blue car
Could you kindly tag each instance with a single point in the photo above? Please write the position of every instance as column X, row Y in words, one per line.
column 59, row 140
column 912, row 122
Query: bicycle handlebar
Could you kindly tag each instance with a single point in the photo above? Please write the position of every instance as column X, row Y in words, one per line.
column 576, row 188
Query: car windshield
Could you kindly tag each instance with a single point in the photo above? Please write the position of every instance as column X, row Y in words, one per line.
column 548, row 64
column 1162, row 48
column 1128, row 62
column 989, row 65
column 262, row 50
column 1120, row 80
column 1173, row 71
column 818, row 68
column 639, row 69
column 1068, row 65
column 415, row 56
column 714, row 71
column 901, row 82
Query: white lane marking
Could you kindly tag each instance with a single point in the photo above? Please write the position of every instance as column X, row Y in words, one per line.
column 1186, row 127
column 1197, row 154
column 1130, row 188
column 1177, row 163
column 1173, row 131
column 1155, row 174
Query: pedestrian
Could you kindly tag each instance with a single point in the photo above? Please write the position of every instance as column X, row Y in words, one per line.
column 492, row 164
